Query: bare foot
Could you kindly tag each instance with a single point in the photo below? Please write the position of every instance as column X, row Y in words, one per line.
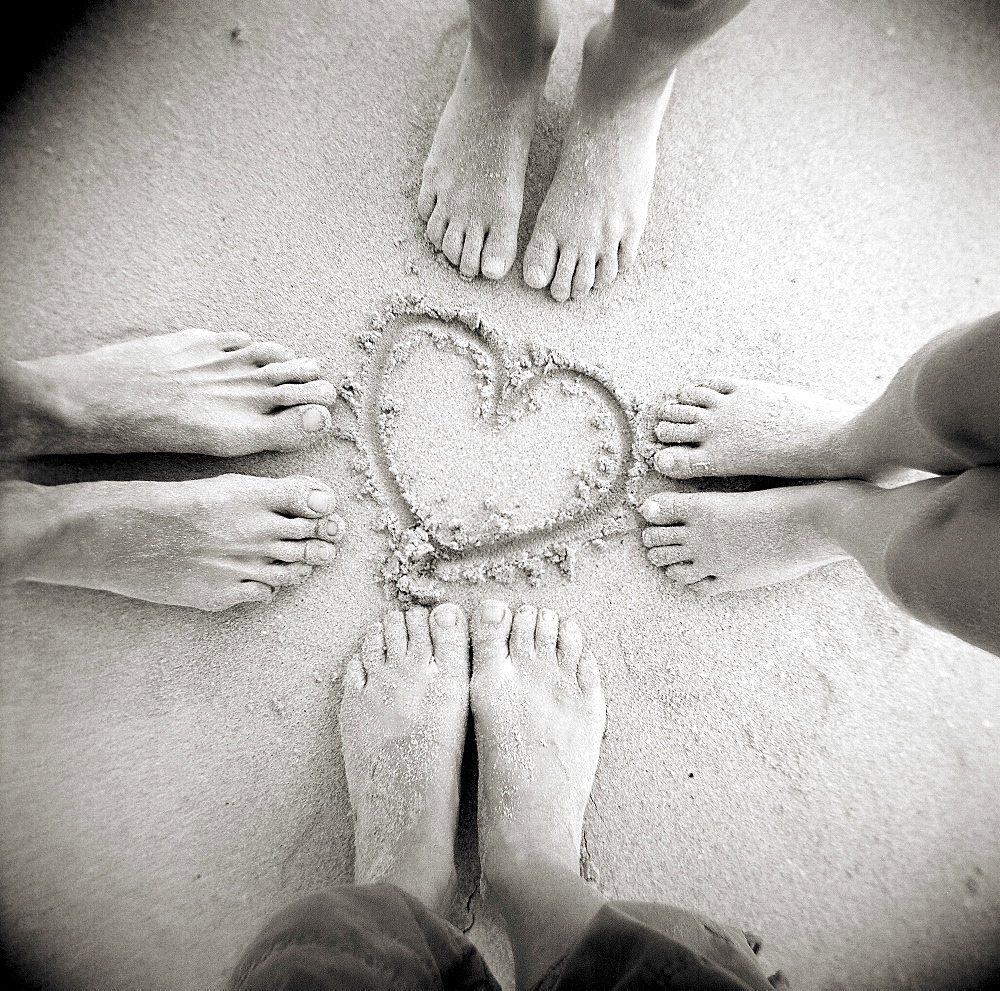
column 402, row 723
column 539, row 712
column 190, row 392
column 208, row 544
column 473, row 181
column 591, row 221
column 735, row 427
column 717, row 542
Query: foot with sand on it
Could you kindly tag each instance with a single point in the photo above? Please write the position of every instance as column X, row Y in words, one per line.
column 207, row 544
column 190, row 392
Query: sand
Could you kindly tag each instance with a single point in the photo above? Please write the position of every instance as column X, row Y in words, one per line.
column 805, row 761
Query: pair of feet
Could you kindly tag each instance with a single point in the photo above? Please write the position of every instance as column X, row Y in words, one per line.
column 716, row 542
column 593, row 216
column 539, row 713
column 208, row 544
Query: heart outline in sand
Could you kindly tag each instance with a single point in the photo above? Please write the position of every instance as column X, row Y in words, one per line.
column 510, row 386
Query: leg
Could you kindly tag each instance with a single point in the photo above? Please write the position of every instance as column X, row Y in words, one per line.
column 932, row 546
column 539, row 714
column 191, row 392
column 207, row 544
column 473, row 180
column 594, row 214
column 940, row 413
column 402, row 723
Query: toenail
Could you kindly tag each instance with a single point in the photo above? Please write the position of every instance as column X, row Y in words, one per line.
column 313, row 420
column 493, row 611
column 319, row 501
column 333, row 527
column 321, row 551
column 446, row 615
column 548, row 615
column 650, row 506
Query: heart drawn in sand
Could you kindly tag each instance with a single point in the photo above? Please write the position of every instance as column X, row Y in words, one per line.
column 476, row 448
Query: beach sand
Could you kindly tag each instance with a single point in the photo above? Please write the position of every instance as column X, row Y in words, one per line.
column 805, row 761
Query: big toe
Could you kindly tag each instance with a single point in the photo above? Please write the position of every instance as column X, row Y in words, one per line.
column 450, row 639
column 540, row 259
column 490, row 631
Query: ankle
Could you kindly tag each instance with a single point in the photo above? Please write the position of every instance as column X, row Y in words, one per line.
column 620, row 65
column 513, row 858
column 30, row 523
column 523, row 52
column 39, row 410
column 836, row 510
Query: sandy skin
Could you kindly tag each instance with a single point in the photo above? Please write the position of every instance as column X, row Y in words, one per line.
column 207, row 544
column 539, row 713
column 191, row 392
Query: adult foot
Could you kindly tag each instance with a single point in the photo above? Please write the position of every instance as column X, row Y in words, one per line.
column 735, row 427
column 717, row 542
column 190, row 392
column 209, row 544
column 402, row 724
column 473, row 179
column 539, row 714
column 591, row 221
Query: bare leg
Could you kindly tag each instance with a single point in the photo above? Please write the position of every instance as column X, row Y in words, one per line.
column 208, row 544
column 402, row 722
column 594, row 214
column 932, row 546
column 190, row 392
column 539, row 713
column 940, row 413
column 473, row 181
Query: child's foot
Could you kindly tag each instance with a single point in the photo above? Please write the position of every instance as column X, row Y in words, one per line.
column 473, row 181
column 735, row 427
column 208, row 544
column 593, row 216
column 190, row 392
column 539, row 713
column 717, row 542
column 402, row 723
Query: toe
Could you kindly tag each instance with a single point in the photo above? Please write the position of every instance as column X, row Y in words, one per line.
column 562, row 281
column 498, row 251
column 293, row 428
column 687, row 573
column 450, row 637
column 682, row 462
column 628, row 250
column 680, row 413
column 454, row 240
column 320, row 391
column 583, row 278
column 233, row 340
column 265, row 353
column 279, row 575
column 302, row 496
column 373, row 650
column 471, row 252
column 708, row 586
column 663, row 536
column 697, row 395
column 394, row 631
column 588, row 677
column 540, row 259
column 669, row 554
column 663, row 508
column 426, row 200
column 726, row 386
column 250, row 591
column 331, row 528
column 522, row 635
column 296, row 370
column 606, row 270
column 418, row 633
column 354, row 672
column 668, row 432
column 546, row 634
column 436, row 225
column 490, row 631
column 315, row 552
column 569, row 646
